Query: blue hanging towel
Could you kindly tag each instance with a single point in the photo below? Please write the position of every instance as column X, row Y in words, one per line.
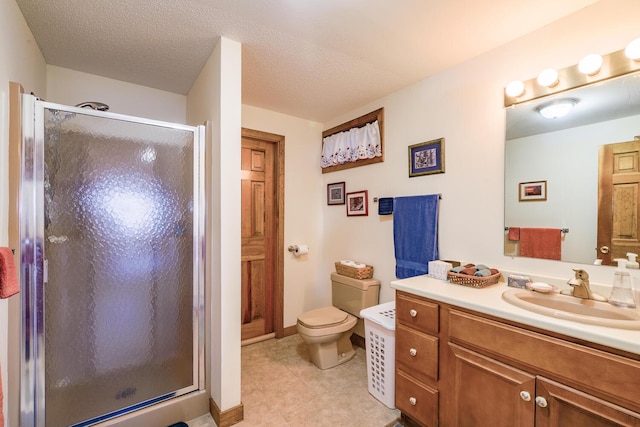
column 415, row 234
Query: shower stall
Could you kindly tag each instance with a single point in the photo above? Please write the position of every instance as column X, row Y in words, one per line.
column 112, row 263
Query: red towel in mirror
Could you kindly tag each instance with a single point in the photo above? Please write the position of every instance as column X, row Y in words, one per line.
column 541, row 243
column 8, row 278
column 514, row 233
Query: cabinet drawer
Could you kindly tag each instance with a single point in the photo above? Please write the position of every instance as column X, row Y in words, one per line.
column 417, row 313
column 417, row 353
column 416, row 400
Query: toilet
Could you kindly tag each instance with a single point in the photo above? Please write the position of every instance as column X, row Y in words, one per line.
column 327, row 331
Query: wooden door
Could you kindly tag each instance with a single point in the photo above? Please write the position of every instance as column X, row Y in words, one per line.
column 618, row 201
column 261, row 186
column 490, row 393
column 564, row 406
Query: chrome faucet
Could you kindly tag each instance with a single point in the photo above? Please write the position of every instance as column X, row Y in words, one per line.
column 580, row 287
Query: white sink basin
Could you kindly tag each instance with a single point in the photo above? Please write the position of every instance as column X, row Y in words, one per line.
column 576, row 309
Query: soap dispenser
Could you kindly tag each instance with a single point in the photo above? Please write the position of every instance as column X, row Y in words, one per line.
column 621, row 292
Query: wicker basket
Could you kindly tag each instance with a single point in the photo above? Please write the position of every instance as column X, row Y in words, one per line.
column 473, row 281
column 365, row 272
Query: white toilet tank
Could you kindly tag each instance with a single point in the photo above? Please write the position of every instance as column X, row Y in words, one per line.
column 353, row 295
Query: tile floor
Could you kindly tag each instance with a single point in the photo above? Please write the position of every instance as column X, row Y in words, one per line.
column 281, row 387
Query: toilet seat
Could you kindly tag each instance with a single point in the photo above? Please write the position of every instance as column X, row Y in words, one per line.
column 326, row 333
column 323, row 318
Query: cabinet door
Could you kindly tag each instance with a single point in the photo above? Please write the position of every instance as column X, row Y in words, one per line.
column 559, row 405
column 490, row 393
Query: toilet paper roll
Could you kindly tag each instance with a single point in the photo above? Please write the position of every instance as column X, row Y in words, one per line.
column 301, row 250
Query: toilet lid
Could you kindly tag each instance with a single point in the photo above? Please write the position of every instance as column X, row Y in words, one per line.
column 323, row 317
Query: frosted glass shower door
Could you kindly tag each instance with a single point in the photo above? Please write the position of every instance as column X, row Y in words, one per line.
column 117, row 319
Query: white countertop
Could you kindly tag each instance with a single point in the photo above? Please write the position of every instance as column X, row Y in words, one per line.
column 489, row 301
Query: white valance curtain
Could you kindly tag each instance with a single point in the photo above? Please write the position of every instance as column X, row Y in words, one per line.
column 351, row 145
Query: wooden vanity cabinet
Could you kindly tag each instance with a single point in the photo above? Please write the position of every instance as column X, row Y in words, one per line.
column 495, row 374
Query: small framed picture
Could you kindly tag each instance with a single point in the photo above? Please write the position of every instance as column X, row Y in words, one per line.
column 426, row 158
column 358, row 203
column 335, row 193
column 532, row 191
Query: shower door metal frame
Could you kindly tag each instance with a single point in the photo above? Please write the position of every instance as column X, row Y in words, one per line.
column 33, row 273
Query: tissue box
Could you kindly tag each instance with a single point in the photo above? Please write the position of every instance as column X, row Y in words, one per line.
column 438, row 269
column 517, row 281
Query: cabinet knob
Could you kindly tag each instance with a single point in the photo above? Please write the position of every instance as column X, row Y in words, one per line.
column 541, row 401
column 413, row 401
column 413, row 351
column 413, row 313
column 525, row 395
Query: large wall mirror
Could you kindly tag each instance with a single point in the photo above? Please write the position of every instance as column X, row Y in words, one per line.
column 559, row 173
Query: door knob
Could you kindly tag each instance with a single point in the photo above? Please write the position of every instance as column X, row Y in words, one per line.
column 413, row 352
column 525, row 395
column 413, row 313
column 604, row 249
column 413, row 401
column 541, row 401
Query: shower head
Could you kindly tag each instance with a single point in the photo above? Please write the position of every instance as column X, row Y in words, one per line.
column 94, row 106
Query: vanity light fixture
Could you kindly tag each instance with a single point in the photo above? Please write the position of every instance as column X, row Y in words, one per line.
column 633, row 50
column 548, row 77
column 591, row 69
column 590, row 64
column 515, row 88
column 556, row 109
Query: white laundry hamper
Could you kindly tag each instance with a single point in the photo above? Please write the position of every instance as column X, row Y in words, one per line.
column 380, row 340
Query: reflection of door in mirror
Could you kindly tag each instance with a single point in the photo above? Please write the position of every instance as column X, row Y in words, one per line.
column 618, row 204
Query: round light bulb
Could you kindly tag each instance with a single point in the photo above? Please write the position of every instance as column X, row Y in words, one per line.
column 633, row 50
column 515, row 88
column 548, row 77
column 590, row 64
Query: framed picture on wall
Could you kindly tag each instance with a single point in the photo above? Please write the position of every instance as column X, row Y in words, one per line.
column 358, row 203
column 335, row 193
column 426, row 158
column 532, row 191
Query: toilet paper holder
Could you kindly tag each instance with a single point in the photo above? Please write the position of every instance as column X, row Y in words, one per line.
column 299, row 250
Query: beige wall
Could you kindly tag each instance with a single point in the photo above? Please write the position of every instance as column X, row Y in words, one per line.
column 216, row 96
column 70, row 87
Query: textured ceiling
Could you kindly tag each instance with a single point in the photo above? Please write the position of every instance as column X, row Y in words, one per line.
column 314, row 59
